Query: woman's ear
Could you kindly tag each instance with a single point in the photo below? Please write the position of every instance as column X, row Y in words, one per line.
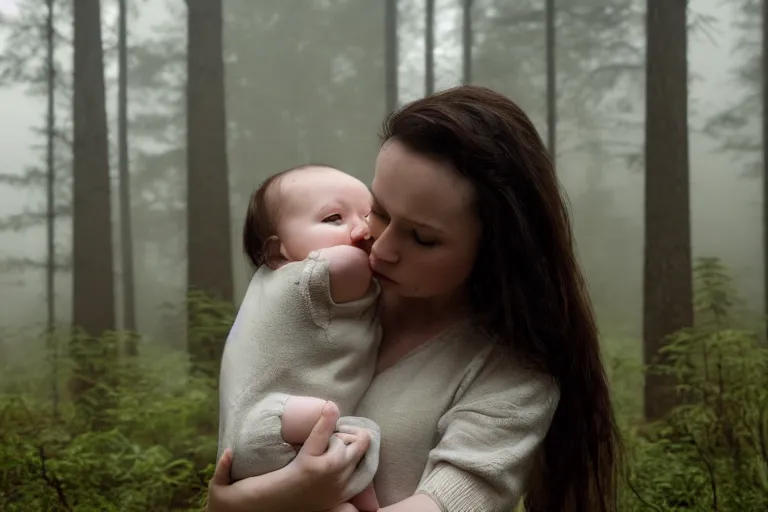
column 273, row 256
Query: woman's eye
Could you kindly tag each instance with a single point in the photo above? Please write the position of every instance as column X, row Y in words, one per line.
column 333, row 219
column 422, row 241
column 374, row 215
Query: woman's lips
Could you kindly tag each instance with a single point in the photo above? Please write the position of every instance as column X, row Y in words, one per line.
column 381, row 277
column 375, row 265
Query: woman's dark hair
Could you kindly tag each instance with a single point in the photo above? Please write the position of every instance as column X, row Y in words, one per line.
column 526, row 283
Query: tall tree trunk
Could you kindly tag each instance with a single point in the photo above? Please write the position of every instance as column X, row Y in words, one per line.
column 209, row 251
column 50, row 270
column 93, row 302
column 667, row 280
column 765, row 159
column 429, row 49
column 93, row 279
column 390, row 56
column 551, row 28
column 126, row 231
column 466, row 42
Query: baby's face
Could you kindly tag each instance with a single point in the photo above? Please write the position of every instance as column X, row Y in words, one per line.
column 319, row 208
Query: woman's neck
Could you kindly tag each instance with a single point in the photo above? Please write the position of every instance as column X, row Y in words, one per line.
column 409, row 323
column 404, row 313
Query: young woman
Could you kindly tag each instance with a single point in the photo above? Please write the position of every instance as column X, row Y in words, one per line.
column 489, row 387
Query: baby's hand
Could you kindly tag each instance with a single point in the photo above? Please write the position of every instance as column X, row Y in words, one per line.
column 350, row 273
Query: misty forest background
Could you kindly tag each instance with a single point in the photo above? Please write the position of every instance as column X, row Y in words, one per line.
column 133, row 132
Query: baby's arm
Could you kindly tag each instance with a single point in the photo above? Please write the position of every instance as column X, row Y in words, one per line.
column 350, row 273
column 299, row 417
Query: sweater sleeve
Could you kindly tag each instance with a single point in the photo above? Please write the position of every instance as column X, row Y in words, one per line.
column 489, row 438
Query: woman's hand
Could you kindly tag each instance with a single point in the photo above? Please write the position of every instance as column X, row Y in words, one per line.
column 326, row 462
column 270, row 492
column 312, row 482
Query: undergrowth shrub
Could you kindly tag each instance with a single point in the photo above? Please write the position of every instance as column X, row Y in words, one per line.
column 143, row 436
column 711, row 452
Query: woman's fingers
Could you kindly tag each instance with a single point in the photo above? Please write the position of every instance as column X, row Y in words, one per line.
column 221, row 473
column 317, row 442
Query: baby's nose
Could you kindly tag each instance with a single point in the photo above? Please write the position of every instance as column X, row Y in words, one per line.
column 360, row 231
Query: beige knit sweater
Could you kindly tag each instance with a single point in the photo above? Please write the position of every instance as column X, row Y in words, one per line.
column 460, row 422
column 290, row 338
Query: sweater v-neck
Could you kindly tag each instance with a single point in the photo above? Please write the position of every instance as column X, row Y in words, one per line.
column 447, row 333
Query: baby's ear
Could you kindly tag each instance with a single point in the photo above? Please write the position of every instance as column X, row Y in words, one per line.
column 273, row 256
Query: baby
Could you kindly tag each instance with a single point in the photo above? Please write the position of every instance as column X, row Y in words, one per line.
column 307, row 325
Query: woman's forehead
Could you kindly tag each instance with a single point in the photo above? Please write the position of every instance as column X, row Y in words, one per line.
column 420, row 188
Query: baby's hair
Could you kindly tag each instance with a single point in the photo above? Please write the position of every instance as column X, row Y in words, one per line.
column 260, row 225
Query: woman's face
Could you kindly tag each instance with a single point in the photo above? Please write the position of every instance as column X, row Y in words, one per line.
column 423, row 224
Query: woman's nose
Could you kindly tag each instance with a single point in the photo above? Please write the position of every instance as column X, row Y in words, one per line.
column 384, row 249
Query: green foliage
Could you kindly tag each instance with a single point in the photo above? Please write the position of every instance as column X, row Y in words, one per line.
column 148, row 439
column 154, row 456
column 142, row 437
column 208, row 323
column 710, row 453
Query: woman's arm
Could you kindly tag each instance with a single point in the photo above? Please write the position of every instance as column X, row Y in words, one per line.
column 312, row 482
column 488, row 441
column 418, row 503
column 272, row 491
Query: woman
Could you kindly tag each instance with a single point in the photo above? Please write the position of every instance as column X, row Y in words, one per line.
column 490, row 387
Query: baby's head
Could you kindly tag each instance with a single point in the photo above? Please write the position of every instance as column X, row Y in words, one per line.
column 301, row 210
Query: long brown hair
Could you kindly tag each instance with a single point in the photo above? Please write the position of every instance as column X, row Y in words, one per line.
column 526, row 282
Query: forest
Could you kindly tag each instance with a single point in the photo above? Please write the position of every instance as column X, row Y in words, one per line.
column 152, row 122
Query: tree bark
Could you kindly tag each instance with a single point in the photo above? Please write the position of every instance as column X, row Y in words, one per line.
column 50, row 269
column 765, row 160
column 429, row 48
column 466, row 42
column 208, row 214
column 391, row 56
column 551, row 28
column 93, row 279
column 126, row 230
column 667, row 301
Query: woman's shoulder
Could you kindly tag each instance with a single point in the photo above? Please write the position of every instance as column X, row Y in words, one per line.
column 490, row 435
column 469, row 352
column 498, row 373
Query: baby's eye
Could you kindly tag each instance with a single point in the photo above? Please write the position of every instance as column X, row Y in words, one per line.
column 333, row 219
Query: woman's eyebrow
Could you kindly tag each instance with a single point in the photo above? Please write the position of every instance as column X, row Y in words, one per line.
column 413, row 222
column 374, row 201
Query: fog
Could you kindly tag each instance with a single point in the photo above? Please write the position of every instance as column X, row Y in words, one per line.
column 286, row 118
